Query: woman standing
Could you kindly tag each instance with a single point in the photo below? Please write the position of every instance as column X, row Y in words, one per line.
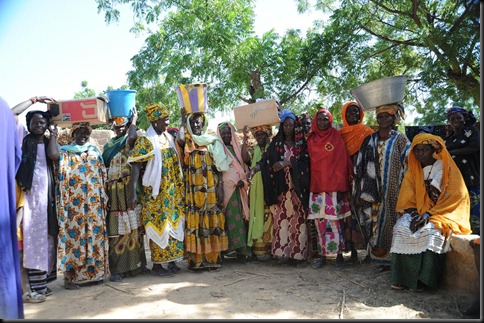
column 434, row 204
column 379, row 171
column 353, row 134
column 236, row 199
column 285, row 173
column 156, row 157
column 39, row 223
column 260, row 218
column 82, row 252
column 126, row 249
column 204, row 161
column 463, row 145
column 331, row 171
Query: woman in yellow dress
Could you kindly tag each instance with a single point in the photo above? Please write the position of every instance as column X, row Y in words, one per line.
column 155, row 158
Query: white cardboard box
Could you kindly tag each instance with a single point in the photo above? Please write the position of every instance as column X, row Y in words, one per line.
column 256, row 114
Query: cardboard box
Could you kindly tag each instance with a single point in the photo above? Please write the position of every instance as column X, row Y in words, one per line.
column 92, row 110
column 256, row 114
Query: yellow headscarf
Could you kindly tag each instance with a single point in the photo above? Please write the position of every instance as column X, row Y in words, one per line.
column 155, row 111
column 452, row 210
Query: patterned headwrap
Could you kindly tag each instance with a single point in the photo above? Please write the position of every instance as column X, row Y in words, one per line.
column 267, row 129
column 284, row 114
column 78, row 125
column 469, row 117
column 119, row 121
column 394, row 110
column 155, row 111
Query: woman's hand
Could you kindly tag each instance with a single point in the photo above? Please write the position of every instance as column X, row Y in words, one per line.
column 246, row 131
column 54, row 132
column 240, row 184
column 419, row 221
column 280, row 165
column 43, row 99
column 134, row 117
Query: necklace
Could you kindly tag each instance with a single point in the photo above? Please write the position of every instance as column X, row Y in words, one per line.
column 430, row 171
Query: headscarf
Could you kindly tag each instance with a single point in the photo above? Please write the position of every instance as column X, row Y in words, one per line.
column 353, row 135
column 212, row 142
column 469, row 118
column 236, row 172
column 267, row 129
column 284, row 114
column 394, row 110
column 155, row 111
column 78, row 125
column 45, row 114
column 451, row 212
column 119, row 121
column 331, row 166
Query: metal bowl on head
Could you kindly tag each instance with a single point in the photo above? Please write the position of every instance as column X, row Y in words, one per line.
column 380, row 92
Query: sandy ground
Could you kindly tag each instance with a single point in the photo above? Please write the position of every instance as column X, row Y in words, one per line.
column 262, row 290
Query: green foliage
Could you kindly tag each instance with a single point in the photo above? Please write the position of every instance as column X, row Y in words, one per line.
column 213, row 41
column 85, row 92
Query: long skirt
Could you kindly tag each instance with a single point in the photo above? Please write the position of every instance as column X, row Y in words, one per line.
column 290, row 231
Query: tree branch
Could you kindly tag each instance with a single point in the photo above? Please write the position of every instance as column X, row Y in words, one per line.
column 399, row 42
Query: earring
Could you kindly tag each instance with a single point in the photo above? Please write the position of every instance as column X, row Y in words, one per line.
column 156, row 124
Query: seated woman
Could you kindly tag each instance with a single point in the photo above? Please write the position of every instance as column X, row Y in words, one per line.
column 435, row 203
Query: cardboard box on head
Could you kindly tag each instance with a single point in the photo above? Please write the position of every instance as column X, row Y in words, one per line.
column 261, row 113
column 93, row 110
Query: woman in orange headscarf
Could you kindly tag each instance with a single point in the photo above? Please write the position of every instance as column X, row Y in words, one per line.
column 435, row 204
column 353, row 131
column 353, row 134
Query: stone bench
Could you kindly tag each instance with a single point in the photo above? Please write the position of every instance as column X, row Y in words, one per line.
column 461, row 274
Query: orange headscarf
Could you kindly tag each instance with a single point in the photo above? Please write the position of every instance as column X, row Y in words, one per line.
column 452, row 210
column 354, row 135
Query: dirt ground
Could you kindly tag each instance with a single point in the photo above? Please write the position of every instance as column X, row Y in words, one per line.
column 254, row 290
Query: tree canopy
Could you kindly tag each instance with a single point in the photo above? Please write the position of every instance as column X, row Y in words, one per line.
column 214, row 42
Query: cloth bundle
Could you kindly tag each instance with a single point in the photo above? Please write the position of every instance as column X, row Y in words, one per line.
column 129, row 220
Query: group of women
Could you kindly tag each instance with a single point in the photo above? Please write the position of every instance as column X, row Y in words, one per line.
column 199, row 196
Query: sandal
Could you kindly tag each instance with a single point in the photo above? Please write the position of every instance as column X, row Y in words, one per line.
column 318, row 263
column 70, row 285
column 174, row 268
column 162, row 272
column 48, row 292
column 115, row 278
column 33, row 297
column 397, row 286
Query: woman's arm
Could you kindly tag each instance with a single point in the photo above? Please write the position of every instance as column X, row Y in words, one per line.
column 22, row 106
column 133, row 182
column 132, row 135
column 180, row 137
column 53, row 147
column 245, row 146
